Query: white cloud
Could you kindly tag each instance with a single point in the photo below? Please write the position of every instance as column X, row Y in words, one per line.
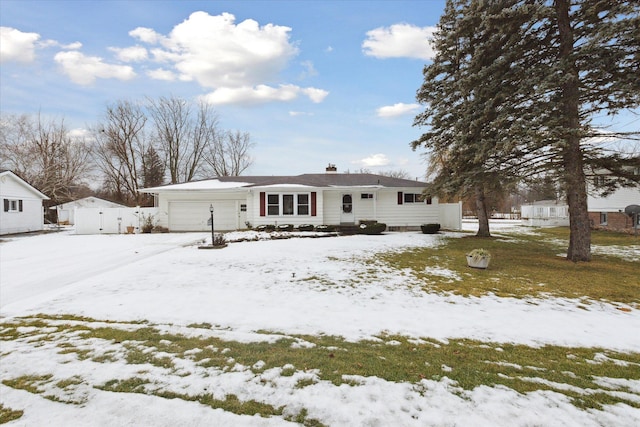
column 162, row 74
column 396, row 110
column 146, row 35
column 79, row 134
column 217, row 52
column 309, row 70
column 235, row 60
column 316, row 95
column 53, row 43
column 374, row 160
column 130, row 54
column 84, row 70
column 259, row 94
column 399, row 41
column 16, row 45
column 299, row 113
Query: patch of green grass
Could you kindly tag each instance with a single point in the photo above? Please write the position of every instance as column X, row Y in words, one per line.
column 31, row 383
column 37, row 384
column 526, row 265
column 130, row 385
column 203, row 325
column 575, row 372
column 8, row 414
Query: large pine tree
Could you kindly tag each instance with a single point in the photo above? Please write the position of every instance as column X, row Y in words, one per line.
column 512, row 91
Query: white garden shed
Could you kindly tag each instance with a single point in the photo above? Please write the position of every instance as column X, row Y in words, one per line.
column 66, row 211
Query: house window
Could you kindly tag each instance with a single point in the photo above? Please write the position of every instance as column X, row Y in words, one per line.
column 303, row 204
column 366, row 195
column 273, row 204
column 603, row 218
column 243, row 208
column 599, row 180
column 413, row 198
column 12, row 205
column 429, row 200
column 288, row 204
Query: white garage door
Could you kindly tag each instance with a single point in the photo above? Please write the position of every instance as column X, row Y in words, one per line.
column 194, row 216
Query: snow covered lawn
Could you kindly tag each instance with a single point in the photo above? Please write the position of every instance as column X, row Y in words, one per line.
column 266, row 291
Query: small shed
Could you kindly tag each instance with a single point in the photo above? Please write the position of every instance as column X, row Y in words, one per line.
column 66, row 211
column 22, row 209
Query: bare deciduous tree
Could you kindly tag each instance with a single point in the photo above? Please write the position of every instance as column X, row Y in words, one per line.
column 120, row 147
column 229, row 155
column 183, row 136
column 43, row 153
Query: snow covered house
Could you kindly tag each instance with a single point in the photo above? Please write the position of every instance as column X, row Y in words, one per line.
column 22, row 209
column 330, row 198
column 66, row 211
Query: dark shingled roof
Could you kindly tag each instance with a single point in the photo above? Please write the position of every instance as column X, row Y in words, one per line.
column 326, row 180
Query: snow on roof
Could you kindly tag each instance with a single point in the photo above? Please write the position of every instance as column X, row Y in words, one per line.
column 207, row 184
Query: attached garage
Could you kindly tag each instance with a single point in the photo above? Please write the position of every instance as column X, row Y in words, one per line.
column 195, row 215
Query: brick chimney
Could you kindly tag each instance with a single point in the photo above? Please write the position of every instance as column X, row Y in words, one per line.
column 331, row 169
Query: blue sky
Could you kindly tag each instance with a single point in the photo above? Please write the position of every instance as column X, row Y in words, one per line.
column 313, row 82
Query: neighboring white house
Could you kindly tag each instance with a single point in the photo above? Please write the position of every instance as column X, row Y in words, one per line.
column 317, row 199
column 545, row 213
column 22, row 209
column 66, row 211
column 608, row 212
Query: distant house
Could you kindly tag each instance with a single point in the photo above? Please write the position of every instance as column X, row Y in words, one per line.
column 66, row 211
column 545, row 213
column 330, row 198
column 608, row 212
column 22, row 209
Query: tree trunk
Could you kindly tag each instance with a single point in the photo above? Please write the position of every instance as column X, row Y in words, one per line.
column 572, row 156
column 481, row 210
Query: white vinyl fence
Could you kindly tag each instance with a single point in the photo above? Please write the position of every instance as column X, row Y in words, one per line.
column 111, row 220
column 451, row 216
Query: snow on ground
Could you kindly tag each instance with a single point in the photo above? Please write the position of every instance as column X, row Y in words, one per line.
column 294, row 286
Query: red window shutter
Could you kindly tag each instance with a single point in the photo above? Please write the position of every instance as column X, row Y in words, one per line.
column 400, row 197
column 313, row 203
column 263, row 203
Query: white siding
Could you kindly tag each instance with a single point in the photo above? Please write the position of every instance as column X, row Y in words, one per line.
column 332, row 207
column 32, row 216
column 406, row 214
column 615, row 202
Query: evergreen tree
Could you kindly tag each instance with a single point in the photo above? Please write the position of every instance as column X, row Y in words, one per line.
column 476, row 71
column 512, row 91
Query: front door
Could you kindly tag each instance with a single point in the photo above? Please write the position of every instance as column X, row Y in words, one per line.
column 347, row 216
